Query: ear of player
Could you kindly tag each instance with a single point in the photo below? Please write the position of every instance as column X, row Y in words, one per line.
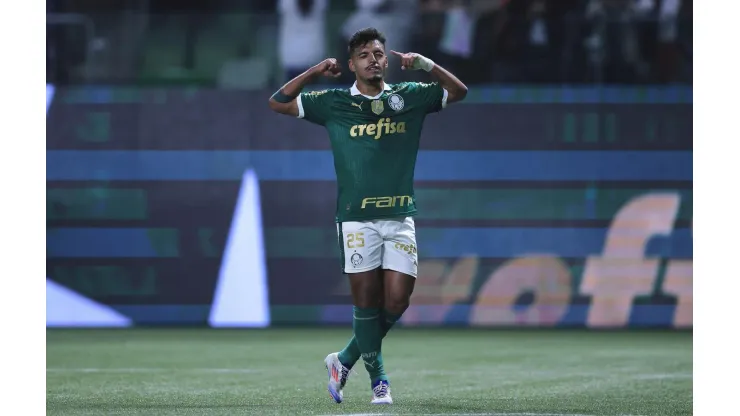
column 414, row 61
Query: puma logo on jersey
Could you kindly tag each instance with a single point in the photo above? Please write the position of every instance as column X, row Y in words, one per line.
column 383, row 126
column 357, row 105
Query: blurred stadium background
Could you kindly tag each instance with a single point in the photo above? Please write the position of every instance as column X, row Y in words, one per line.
column 555, row 204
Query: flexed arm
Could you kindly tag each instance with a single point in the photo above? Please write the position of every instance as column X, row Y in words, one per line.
column 284, row 100
column 414, row 61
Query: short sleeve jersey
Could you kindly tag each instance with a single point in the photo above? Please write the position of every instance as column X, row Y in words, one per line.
column 375, row 142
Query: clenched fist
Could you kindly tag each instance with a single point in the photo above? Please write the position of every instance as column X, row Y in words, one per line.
column 329, row 68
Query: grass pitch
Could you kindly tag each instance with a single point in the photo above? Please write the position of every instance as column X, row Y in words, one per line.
column 432, row 372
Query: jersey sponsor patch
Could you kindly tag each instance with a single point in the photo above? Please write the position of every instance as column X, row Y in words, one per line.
column 395, row 101
column 384, row 126
column 377, row 107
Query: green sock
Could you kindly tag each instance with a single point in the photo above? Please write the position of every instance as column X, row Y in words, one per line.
column 351, row 353
column 368, row 331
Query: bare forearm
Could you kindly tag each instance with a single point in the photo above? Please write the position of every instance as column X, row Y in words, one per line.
column 284, row 100
column 456, row 89
column 294, row 87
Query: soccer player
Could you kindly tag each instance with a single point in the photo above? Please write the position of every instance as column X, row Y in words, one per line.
column 374, row 128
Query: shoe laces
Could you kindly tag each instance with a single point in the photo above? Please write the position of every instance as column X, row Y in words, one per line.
column 381, row 390
column 344, row 374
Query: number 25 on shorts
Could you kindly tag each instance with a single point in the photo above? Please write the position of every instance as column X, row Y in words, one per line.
column 355, row 240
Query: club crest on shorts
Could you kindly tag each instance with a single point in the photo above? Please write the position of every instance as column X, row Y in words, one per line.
column 356, row 259
column 396, row 102
column 377, row 107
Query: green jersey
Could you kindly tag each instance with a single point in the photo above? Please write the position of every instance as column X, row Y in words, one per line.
column 375, row 142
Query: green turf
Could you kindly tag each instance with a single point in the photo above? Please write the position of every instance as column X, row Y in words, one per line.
column 280, row 372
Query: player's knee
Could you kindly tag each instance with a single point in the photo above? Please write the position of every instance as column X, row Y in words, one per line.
column 397, row 303
column 367, row 295
column 367, row 289
column 368, row 302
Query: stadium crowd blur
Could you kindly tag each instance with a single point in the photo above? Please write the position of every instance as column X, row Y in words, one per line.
column 482, row 41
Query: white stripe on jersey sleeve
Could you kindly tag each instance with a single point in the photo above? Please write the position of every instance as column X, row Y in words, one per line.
column 302, row 114
column 444, row 98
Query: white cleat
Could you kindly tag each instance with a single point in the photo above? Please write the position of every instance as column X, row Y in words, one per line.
column 338, row 375
column 382, row 393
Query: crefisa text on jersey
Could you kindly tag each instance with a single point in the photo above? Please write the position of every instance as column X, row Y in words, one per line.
column 382, row 127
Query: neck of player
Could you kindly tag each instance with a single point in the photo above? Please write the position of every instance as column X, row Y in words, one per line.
column 370, row 88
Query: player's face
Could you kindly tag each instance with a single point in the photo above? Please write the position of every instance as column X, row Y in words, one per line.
column 369, row 62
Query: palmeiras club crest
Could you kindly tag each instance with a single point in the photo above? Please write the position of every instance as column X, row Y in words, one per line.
column 356, row 259
column 395, row 101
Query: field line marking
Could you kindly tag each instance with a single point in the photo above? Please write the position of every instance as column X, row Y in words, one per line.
column 150, row 370
column 463, row 414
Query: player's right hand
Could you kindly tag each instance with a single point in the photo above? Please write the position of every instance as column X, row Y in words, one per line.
column 329, row 68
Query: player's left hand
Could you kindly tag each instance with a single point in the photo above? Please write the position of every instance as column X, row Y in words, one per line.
column 414, row 61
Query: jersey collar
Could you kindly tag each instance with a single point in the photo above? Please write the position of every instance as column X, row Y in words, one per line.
column 355, row 91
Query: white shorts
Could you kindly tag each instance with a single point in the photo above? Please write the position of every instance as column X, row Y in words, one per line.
column 388, row 243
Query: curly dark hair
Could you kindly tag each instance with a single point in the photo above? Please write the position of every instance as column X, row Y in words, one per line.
column 362, row 37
